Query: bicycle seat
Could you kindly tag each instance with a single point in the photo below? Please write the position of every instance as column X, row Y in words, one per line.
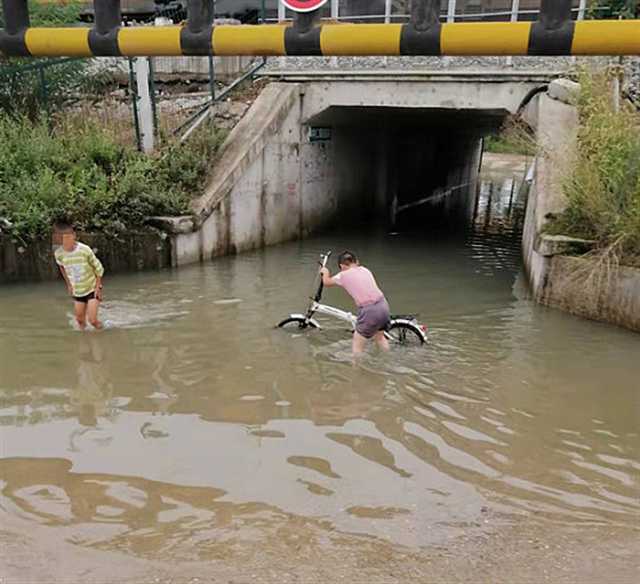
column 403, row 316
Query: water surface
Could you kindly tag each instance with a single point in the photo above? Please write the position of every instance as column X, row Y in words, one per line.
column 191, row 426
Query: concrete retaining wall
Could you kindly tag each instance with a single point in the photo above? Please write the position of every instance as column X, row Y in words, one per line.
column 269, row 185
column 557, row 278
column 576, row 285
column 35, row 262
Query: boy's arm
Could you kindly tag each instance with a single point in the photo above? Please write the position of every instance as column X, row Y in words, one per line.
column 66, row 279
column 327, row 280
column 98, row 270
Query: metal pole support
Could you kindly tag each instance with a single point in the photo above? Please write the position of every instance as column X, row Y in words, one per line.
column 303, row 38
column 425, row 14
column 451, row 11
column 196, row 37
column 103, row 37
column 422, row 35
column 553, row 33
column 16, row 21
column 555, row 14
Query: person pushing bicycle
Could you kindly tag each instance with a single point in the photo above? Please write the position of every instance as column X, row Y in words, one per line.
column 373, row 308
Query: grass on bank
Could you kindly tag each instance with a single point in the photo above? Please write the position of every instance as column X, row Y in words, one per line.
column 510, row 142
column 603, row 186
column 80, row 172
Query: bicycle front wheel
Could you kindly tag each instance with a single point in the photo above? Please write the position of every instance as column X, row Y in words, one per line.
column 406, row 334
column 299, row 322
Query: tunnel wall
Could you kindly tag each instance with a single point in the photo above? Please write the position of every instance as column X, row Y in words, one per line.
column 270, row 184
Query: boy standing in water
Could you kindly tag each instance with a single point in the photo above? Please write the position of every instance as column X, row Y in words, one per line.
column 373, row 309
column 82, row 272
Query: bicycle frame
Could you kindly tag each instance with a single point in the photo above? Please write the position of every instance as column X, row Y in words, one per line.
column 343, row 315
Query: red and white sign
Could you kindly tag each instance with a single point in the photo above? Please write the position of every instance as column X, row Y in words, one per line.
column 304, row 5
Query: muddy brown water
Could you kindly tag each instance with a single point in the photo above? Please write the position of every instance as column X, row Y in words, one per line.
column 191, row 427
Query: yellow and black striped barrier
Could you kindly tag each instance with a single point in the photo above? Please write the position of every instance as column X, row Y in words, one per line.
column 553, row 34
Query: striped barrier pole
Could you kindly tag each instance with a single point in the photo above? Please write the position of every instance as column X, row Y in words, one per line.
column 555, row 33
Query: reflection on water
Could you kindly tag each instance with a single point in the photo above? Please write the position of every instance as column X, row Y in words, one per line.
column 192, row 425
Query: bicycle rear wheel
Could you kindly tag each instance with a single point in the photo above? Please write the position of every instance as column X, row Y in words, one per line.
column 406, row 334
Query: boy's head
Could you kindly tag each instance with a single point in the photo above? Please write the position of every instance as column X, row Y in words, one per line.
column 65, row 235
column 347, row 260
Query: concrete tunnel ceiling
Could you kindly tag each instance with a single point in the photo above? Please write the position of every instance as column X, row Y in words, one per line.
column 480, row 122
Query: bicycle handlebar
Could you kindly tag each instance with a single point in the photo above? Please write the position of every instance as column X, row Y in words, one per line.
column 324, row 258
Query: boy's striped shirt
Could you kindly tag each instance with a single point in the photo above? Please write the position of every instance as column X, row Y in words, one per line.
column 82, row 268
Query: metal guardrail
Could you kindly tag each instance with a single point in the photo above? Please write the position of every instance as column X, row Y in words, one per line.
column 580, row 14
column 555, row 32
column 196, row 119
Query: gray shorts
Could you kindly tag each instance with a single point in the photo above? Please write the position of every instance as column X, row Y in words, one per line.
column 373, row 318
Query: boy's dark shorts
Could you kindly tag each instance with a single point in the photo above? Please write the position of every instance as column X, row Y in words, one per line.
column 85, row 299
column 373, row 318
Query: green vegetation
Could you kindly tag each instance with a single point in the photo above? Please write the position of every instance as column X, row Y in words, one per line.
column 31, row 86
column 613, row 9
column 81, row 173
column 603, row 187
column 511, row 140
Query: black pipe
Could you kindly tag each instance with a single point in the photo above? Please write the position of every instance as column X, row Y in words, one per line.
column 529, row 97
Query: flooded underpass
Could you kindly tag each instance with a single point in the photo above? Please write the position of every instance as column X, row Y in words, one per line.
column 193, row 440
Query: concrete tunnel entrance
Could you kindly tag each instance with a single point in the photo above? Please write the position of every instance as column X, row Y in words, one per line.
column 406, row 167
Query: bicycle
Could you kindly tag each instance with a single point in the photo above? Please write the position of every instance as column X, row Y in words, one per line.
column 403, row 329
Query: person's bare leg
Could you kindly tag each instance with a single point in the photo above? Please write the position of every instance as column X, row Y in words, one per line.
column 80, row 310
column 92, row 314
column 382, row 341
column 359, row 343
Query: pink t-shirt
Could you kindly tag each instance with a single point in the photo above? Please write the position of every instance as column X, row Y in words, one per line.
column 360, row 285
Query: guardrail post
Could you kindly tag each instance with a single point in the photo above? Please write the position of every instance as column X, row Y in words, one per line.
column 335, row 9
column 451, row 11
column 196, row 37
column 553, row 33
column 387, row 11
column 103, row 37
column 16, row 21
column 582, row 10
column 515, row 14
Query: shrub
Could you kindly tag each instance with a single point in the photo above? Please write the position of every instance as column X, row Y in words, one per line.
column 80, row 173
column 603, row 187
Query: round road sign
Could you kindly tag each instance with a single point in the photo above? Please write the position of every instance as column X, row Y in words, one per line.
column 304, row 5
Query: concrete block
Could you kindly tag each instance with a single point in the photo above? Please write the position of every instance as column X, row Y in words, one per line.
column 174, row 225
column 552, row 245
column 564, row 90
